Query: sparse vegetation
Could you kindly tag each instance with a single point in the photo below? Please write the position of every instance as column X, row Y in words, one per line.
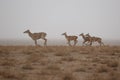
column 80, row 70
column 113, row 63
column 102, row 68
column 59, row 63
column 68, row 76
column 27, row 67
column 11, row 74
column 53, row 67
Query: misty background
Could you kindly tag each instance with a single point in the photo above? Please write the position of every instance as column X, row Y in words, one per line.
column 97, row 17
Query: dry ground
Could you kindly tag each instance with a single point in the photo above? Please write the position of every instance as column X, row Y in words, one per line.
column 59, row 63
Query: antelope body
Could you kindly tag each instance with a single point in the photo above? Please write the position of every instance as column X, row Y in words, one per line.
column 36, row 36
column 70, row 38
column 85, row 38
column 95, row 39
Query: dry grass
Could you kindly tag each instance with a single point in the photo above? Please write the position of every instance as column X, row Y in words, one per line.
column 102, row 68
column 8, row 62
column 12, row 74
column 110, row 76
column 113, row 63
column 53, row 67
column 59, row 63
column 68, row 59
column 80, row 70
column 61, row 53
column 27, row 67
column 68, row 76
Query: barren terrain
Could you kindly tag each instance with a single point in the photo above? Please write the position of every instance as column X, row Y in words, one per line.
column 59, row 63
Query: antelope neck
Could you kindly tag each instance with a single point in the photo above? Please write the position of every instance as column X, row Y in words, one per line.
column 66, row 35
column 29, row 33
column 83, row 36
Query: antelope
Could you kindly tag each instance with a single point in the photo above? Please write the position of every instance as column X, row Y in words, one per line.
column 70, row 38
column 36, row 36
column 95, row 39
column 85, row 38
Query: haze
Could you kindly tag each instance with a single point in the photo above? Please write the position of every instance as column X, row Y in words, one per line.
column 98, row 17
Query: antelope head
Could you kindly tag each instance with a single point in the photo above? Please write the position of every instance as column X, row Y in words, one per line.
column 64, row 33
column 27, row 31
column 81, row 34
column 87, row 34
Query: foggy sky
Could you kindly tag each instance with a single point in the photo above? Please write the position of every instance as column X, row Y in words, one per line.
column 97, row 17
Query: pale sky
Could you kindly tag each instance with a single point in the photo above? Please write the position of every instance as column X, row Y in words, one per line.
column 98, row 17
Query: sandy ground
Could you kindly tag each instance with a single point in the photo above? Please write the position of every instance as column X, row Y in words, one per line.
column 59, row 63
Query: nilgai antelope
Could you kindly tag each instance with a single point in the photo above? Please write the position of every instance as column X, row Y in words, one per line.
column 86, row 39
column 95, row 39
column 70, row 38
column 36, row 36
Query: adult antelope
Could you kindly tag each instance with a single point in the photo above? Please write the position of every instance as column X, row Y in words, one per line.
column 95, row 39
column 36, row 36
column 70, row 38
column 86, row 39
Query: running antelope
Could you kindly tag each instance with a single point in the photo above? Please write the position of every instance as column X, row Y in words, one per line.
column 70, row 38
column 86, row 39
column 95, row 39
column 36, row 36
